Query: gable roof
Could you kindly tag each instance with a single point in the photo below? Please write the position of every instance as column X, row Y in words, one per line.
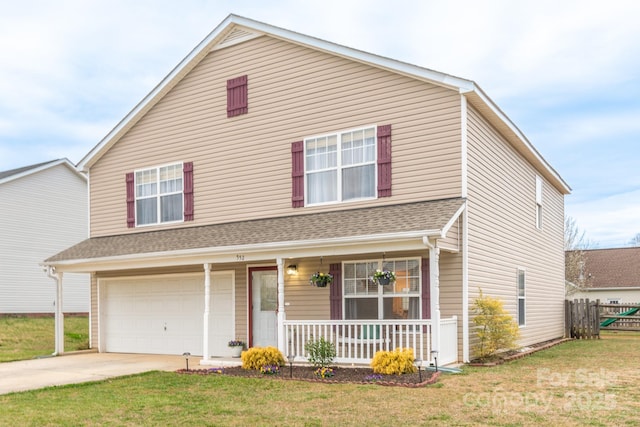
column 236, row 29
column 325, row 231
column 21, row 172
column 612, row 268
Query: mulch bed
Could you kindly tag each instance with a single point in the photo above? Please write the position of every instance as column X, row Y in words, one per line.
column 508, row 356
column 342, row 375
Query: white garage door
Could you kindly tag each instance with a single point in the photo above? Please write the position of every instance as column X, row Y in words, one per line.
column 156, row 315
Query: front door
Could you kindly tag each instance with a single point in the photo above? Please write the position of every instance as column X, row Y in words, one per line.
column 264, row 304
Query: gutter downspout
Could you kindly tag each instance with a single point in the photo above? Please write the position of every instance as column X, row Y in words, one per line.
column 59, row 315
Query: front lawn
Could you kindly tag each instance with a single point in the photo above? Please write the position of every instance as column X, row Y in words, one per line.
column 578, row 383
column 28, row 337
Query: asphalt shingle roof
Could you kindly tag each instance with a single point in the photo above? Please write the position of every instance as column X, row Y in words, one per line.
column 6, row 174
column 418, row 216
column 612, row 268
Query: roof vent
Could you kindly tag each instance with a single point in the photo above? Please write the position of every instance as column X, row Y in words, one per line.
column 235, row 36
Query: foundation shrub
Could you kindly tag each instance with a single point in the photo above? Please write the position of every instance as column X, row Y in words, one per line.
column 258, row 357
column 396, row 362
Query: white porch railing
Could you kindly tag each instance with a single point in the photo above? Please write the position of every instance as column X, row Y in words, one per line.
column 357, row 341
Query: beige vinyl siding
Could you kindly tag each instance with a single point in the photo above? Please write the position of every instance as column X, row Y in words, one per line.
column 42, row 213
column 306, row 302
column 242, row 165
column 503, row 236
column 451, row 290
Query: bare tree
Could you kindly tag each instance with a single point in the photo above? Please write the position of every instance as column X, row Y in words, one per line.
column 635, row 240
column 575, row 243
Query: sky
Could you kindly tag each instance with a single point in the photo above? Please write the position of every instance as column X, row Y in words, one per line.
column 567, row 73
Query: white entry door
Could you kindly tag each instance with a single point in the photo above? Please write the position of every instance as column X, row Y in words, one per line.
column 264, row 297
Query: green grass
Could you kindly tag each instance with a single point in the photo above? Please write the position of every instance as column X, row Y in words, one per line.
column 26, row 337
column 593, row 383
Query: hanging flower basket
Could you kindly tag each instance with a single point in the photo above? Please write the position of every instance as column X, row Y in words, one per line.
column 321, row 280
column 383, row 278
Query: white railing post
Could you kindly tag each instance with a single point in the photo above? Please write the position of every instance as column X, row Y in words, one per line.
column 281, row 316
column 207, row 307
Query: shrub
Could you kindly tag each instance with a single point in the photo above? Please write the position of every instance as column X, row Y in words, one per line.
column 321, row 352
column 396, row 362
column 495, row 327
column 257, row 357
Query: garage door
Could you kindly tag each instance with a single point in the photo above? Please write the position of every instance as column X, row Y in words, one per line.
column 156, row 315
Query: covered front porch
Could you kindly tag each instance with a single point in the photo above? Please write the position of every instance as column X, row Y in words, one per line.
column 208, row 272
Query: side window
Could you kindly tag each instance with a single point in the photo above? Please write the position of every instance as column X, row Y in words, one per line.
column 521, row 298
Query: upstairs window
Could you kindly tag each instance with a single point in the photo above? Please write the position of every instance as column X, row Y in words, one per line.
column 341, row 166
column 159, row 195
column 538, row 202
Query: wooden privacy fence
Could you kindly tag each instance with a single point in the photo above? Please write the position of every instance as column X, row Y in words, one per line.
column 620, row 317
column 582, row 319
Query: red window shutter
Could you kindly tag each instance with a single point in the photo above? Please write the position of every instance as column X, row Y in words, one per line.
column 384, row 161
column 237, row 96
column 335, row 291
column 131, row 200
column 297, row 174
column 187, row 171
column 426, row 289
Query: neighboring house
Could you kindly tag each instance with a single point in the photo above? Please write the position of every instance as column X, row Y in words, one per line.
column 611, row 275
column 267, row 155
column 43, row 209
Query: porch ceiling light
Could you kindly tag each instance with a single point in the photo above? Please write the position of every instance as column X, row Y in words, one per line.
column 292, row 269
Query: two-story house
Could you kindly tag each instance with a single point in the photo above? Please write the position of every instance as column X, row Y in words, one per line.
column 266, row 156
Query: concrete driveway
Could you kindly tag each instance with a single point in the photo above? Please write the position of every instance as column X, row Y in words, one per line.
column 83, row 367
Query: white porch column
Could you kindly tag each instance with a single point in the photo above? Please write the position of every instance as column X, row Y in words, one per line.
column 59, row 315
column 207, row 308
column 281, row 314
column 434, row 272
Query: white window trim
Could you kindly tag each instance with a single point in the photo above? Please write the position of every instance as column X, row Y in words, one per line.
column 523, row 298
column 381, row 295
column 157, row 196
column 340, row 167
column 539, row 205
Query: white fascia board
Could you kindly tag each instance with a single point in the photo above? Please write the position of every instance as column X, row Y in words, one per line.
column 248, row 253
column 453, row 219
column 518, row 134
column 347, row 52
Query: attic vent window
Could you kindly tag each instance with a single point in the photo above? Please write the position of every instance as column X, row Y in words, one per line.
column 237, row 96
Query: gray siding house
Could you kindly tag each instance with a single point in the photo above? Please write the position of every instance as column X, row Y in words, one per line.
column 43, row 209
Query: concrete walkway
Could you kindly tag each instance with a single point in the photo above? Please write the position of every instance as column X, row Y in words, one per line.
column 83, row 367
